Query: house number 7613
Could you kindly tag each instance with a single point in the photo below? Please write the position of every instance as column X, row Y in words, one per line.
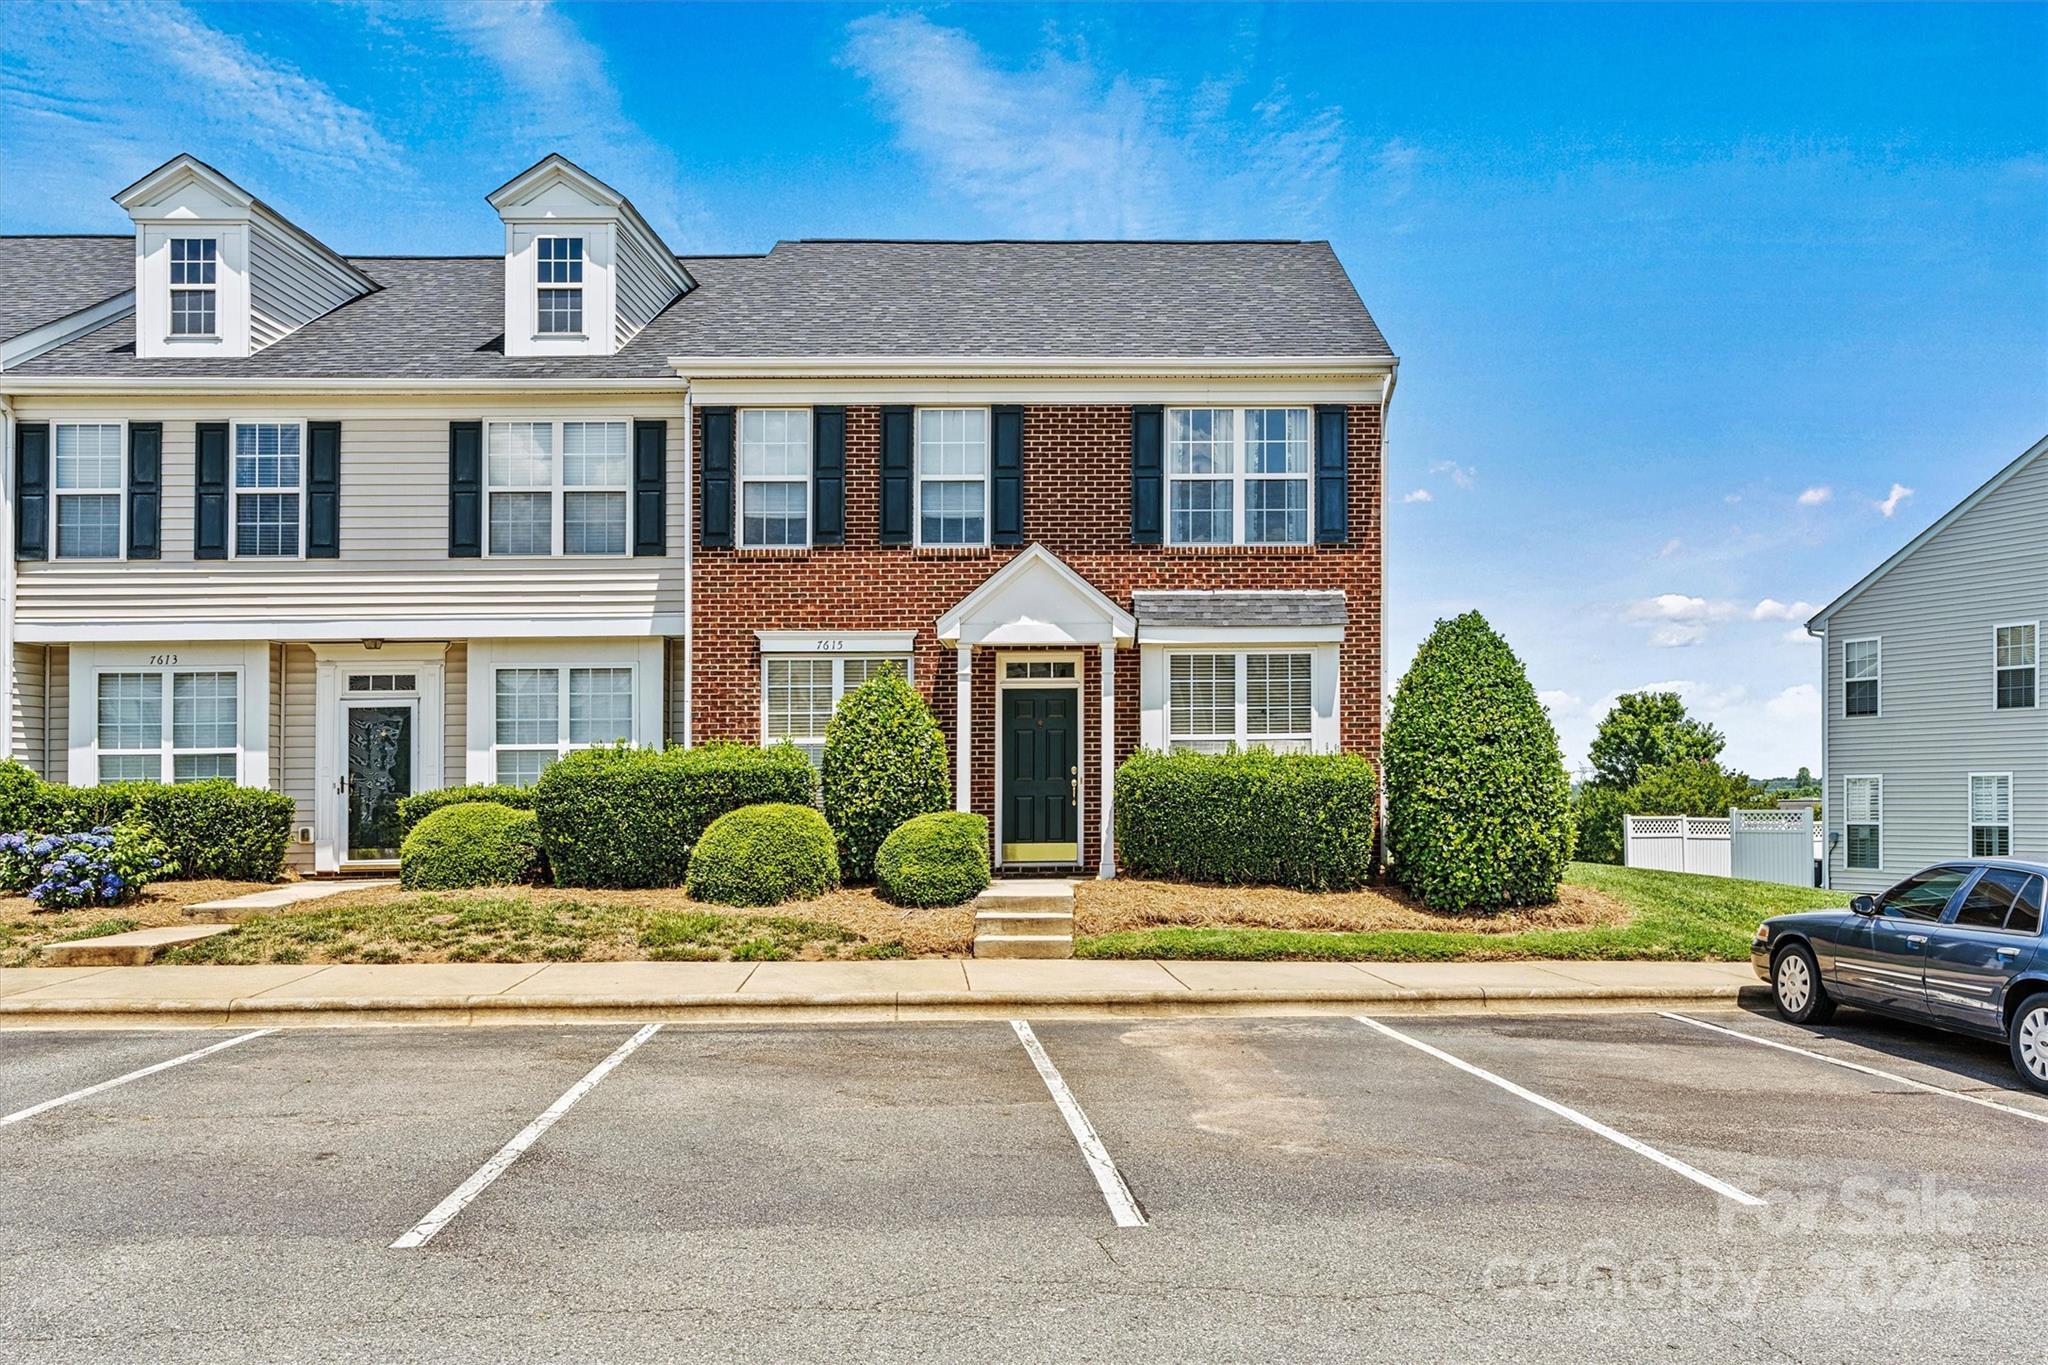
column 162, row 660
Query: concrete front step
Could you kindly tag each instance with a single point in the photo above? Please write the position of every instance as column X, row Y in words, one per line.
column 132, row 949
column 996, row 946
column 1011, row 923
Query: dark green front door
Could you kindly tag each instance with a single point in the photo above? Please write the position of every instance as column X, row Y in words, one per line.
column 379, row 776
column 1041, row 775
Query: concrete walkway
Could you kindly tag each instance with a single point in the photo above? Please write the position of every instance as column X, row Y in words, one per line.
column 569, row 992
column 235, row 909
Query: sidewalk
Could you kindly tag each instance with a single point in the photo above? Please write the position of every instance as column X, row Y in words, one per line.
column 578, row 992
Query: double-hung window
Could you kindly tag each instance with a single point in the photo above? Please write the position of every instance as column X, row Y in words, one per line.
column 1990, row 815
column 952, row 476
column 775, row 477
column 1863, row 822
column 559, row 304
column 88, row 490
column 2015, row 657
column 542, row 505
column 1238, row 476
column 1862, row 670
column 269, row 479
column 543, row 713
column 799, row 693
column 135, row 744
column 1218, row 700
column 194, row 286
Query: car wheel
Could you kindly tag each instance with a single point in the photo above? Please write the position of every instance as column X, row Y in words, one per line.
column 1797, row 991
column 2028, row 1035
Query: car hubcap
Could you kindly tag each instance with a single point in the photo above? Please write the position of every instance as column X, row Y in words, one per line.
column 1795, row 984
column 2034, row 1042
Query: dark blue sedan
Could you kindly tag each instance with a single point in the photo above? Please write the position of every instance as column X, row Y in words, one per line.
column 1957, row 946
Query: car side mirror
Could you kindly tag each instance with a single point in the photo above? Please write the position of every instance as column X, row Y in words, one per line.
column 1864, row 905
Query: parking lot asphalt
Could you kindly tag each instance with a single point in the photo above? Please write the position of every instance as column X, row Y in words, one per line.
column 1613, row 1186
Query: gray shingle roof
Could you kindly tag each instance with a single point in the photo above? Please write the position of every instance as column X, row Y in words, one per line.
column 1197, row 608
column 442, row 317
column 43, row 279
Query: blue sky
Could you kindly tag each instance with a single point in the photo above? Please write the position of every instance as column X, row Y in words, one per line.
column 1702, row 311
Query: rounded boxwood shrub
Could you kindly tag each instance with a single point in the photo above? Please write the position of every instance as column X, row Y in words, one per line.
column 415, row 808
column 622, row 817
column 471, row 843
column 1253, row 818
column 1479, row 807
column 885, row 761
column 764, row 855
column 936, row 859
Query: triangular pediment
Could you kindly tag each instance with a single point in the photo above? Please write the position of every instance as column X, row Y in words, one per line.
column 1036, row 599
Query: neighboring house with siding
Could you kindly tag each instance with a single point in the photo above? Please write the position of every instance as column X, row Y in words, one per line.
column 348, row 527
column 1935, row 728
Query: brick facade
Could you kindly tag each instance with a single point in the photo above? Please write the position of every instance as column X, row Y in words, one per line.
column 1077, row 504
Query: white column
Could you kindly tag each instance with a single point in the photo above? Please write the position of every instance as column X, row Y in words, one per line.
column 963, row 726
column 1106, row 798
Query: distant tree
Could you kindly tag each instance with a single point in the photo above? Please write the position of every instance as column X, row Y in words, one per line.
column 1645, row 730
column 1692, row 787
column 1805, row 778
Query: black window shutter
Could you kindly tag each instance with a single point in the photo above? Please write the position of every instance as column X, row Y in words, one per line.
column 465, row 490
column 32, row 491
column 650, row 488
column 828, row 476
column 898, row 494
column 210, row 490
column 1006, row 462
column 1333, row 517
column 714, row 516
column 145, row 489
column 323, row 490
column 1148, row 474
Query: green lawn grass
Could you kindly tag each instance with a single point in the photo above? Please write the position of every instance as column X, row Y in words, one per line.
column 1674, row 917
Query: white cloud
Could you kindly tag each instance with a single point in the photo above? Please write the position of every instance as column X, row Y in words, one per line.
column 1558, row 703
column 1889, row 505
column 1420, row 495
column 1458, row 474
column 1671, row 547
column 1677, row 635
column 1058, row 148
column 1677, row 621
column 1771, row 609
column 1797, row 636
column 1816, row 495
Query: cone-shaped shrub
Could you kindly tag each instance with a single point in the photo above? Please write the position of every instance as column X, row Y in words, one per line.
column 1478, row 805
column 885, row 761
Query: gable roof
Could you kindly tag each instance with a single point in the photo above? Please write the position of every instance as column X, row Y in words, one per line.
column 556, row 167
column 442, row 317
column 185, row 168
column 46, row 279
column 1991, row 485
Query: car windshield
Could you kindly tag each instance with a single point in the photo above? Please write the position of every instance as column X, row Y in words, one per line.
column 1923, row 896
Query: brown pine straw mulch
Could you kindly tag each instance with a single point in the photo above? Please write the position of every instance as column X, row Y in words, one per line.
column 1127, row 904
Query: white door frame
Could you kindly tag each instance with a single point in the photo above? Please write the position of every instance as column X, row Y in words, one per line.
column 332, row 700
column 361, row 702
column 1078, row 658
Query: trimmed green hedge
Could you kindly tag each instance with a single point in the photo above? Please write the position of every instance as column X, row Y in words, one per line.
column 1479, row 807
column 1254, row 818
column 764, row 855
column 417, row 807
column 885, row 761
column 212, row 828
column 935, row 859
column 471, row 843
column 629, row 817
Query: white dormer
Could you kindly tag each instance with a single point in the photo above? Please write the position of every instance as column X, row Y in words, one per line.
column 220, row 273
column 583, row 270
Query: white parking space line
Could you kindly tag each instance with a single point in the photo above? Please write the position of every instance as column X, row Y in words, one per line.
column 423, row 1232
column 1591, row 1125
column 1891, row 1076
column 18, row 1115
column 1115, row 1193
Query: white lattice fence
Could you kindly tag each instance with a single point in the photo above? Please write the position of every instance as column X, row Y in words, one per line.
column 1760, row 845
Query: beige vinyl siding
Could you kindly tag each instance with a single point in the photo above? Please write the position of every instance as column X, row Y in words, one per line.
column 642, row 289
column 394, row 565
column 292, row 745
column 57, row 710
column 455, row 716
column 27, row 716
column 678, row 710
column 1935, row 611
column 290, row 284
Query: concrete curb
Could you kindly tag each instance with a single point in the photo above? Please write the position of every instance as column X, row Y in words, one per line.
column 868, row 1006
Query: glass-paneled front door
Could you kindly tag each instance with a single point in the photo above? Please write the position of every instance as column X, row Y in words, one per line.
column 380, row 774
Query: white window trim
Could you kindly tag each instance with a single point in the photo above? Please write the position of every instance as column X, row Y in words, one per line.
column 1239, row 476
column 917, row 478
column 120, row 491
column 582, row 298
column 1847, row 779
column 250, row 662
column 1240, row 734
column 558, row 503
column 1996, row 626
column 838, row 661
column 235, row 490
column 1970, row 825
column 1325, row 681
column 741, row 479
column 172, row 288
column 644, row 656
column 1877, row 640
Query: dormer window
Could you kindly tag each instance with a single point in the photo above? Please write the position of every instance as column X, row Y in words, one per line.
column 194, row 310
column 559, row 309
